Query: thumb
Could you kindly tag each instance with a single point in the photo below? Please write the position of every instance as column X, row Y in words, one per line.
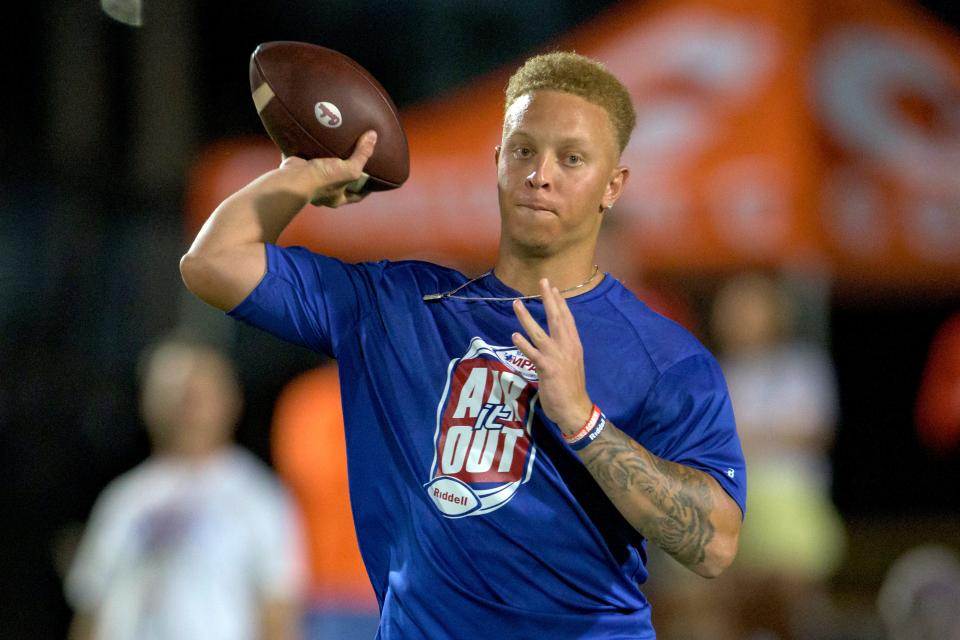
column 363, row 150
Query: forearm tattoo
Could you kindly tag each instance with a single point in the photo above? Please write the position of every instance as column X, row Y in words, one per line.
column 677, row 516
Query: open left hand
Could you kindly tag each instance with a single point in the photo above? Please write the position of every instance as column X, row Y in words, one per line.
column 558, row 356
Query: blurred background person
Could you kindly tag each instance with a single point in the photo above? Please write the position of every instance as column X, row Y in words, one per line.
column 920, row 595
column 785, row 399
column 198, row 541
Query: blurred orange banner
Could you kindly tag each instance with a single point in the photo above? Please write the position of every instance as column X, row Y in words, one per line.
column 768, row 133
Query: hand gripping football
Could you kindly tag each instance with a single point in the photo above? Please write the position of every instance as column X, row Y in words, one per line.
column 315, row 102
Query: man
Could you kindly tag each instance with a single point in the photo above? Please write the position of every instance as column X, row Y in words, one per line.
column 199, row 541
column 503, row 485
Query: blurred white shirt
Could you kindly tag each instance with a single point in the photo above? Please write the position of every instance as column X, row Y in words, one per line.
column 780, row 397
column 183, row 550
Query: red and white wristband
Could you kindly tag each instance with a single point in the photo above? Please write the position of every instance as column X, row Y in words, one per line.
column 593, row 428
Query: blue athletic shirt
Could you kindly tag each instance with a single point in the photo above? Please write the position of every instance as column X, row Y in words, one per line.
column 473, row 517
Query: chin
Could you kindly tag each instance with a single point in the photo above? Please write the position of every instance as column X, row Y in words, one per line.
column 532, row 247
column 534, row 236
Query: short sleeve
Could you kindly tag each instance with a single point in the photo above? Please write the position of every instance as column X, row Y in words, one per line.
column 690, row 417
column 309, row 299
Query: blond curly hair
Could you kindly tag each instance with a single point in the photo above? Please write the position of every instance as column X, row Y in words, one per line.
column 581, row 76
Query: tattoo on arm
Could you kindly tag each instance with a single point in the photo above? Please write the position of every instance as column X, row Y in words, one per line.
column 679, row 499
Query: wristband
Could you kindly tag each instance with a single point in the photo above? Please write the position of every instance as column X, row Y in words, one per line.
column 589, row 432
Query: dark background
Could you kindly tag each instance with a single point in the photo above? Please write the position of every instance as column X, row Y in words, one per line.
column 100, row 124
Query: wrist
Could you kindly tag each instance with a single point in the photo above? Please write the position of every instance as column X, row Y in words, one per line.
column 573, row 422
column 589, row 432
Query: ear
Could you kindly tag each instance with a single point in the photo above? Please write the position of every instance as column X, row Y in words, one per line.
column 496, row 154
column 615, row 186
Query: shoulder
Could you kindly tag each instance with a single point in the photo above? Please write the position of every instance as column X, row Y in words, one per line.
column 258, row 486
column 404, row 282
column 248, row 471
column 256, row 489
column 125, row 493
column 660, row 341
column 286, row 259
column 421, row 272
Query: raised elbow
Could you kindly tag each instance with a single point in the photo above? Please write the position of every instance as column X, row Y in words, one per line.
column 720, row 555
column 191, row 270
column 200, row 275
column 223, row 279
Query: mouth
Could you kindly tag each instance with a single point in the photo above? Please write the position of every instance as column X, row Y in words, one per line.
column 537, row 206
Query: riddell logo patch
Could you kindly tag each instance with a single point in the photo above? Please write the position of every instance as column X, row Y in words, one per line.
column 482, row 446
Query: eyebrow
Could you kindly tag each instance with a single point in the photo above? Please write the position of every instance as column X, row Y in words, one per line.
column 567, row 141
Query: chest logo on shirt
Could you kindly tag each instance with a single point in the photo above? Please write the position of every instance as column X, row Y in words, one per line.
column 482, row 446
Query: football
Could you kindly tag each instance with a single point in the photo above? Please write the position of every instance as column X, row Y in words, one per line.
column 315, row 102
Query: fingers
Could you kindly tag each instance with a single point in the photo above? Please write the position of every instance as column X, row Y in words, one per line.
column 552, row 301
column 341, row 198
column 560, row 321
column 363, row 150
column 349, row 174
column 352, row 197
column 335, row 182
column 357, row 185
column 525, row 347
column 531, row 326
column 560, row 325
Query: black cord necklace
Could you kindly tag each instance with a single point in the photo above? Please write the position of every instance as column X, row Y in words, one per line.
column 452, row 294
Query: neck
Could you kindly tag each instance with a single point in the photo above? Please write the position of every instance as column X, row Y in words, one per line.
column 524, row 273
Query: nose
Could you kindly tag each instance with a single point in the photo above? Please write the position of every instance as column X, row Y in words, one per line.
column 540, row 177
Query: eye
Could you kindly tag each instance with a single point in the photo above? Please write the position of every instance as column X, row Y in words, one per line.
column 522, row 152
column 573, row 159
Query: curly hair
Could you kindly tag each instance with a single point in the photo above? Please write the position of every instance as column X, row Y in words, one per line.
column 581, row 76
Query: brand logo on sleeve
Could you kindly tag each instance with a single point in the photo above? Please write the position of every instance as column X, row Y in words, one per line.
column 482, row 446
